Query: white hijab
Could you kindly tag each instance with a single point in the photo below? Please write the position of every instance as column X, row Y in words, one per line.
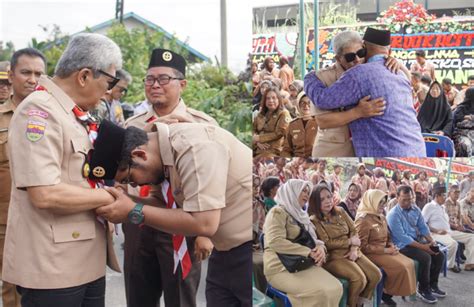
column 287, row 197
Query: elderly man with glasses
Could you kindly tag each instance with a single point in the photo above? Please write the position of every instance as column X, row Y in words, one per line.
column 396, row 132
column 23, row 75
column 56, row 249
column 150, row 268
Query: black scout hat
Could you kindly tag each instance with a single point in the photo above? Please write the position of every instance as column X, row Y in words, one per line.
column 439, row 189
column 377, row 37
column 107, row 151
column 167, row 58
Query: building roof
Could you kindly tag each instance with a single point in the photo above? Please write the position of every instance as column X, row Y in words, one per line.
column 151, row 25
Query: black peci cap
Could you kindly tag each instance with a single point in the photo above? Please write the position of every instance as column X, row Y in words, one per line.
column 377, row 37
column 167, row 58
column 107, row 151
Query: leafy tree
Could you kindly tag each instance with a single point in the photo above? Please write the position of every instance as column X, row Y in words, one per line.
column 211, row 89
column 6, row 51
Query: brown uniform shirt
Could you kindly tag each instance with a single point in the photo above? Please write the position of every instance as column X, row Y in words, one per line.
column 332, row 142
column 6, row 114
column 272, row 130
column 45, row 250
column 300, row 138
column 141, row 120
column 373, row 233
column 335, row 232
column 210, row 169
column 287, row 76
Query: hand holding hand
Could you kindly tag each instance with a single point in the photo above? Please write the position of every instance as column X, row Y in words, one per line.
column 117, row 211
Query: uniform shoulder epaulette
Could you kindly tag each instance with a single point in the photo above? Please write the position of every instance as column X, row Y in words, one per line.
column 200, row 114
column 294, row 120
column 131, row 119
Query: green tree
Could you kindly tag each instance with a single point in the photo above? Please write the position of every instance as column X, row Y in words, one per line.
column 6, row 51
column 211, row 89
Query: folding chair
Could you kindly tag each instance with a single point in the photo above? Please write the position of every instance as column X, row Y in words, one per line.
column 438, row 145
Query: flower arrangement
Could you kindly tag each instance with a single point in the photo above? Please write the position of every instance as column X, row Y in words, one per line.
column 413, row 18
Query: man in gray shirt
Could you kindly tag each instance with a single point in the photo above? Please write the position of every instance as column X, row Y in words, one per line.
column 466, row 185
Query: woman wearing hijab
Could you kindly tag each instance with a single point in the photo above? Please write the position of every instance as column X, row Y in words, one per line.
column 463, row 126
column 313, row 286
column 345, row 260
column 301, row 131
column 352, row 200
column 395, row 183
column 435, row 114
column 376, row 244
column 295, row 88
column 271, row 125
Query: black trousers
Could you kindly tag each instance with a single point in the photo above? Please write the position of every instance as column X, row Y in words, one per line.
column 88, row 295
column 229, row 277
column 430, row 266
column 148, row 269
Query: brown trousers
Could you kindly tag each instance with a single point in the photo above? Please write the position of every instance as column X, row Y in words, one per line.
column 10, row 297
column 363, row 276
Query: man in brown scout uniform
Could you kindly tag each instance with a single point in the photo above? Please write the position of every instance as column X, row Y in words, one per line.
column 56, row 246
column 5, row 86
column 27, row 64
column 205, row 173
column 148, row 263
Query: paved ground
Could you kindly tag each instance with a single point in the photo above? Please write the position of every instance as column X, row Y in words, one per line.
column 115, row 292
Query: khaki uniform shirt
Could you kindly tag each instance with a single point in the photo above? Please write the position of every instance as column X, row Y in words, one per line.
column 335, row 232
column 6, row 114
column 373, row 233
column 210, row 169
column 141, row 120
column 44, row 250
column 280, row 229
column 332, row 142
column 428, row 69
column 272, row 130
column 300, row 138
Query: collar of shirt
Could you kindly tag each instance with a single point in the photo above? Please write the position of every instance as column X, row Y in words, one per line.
column 377, row 57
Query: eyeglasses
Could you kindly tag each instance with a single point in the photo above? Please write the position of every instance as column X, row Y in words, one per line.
column 112, row 83
column 161, row 79
column 122, row 89
column 351, row 56
column 127, row 180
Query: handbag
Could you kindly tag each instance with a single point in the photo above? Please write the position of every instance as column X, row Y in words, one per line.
column 296, row 263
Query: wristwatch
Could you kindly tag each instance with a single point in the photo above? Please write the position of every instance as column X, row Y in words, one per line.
column 136, row 215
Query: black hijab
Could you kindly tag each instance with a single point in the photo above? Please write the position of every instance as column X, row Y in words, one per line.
column 435, row 113
column 465, row 108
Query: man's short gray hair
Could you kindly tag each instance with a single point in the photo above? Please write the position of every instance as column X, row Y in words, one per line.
column 345, row 39
column 89, row 50
column 122, row 74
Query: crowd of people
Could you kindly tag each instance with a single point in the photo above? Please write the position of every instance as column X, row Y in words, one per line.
column 359, row 222
column 71, row 167
column 366, row 104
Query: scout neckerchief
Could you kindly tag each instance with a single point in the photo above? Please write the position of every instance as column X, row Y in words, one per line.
column 145, row 189
column 92, row 127
column 180, row 247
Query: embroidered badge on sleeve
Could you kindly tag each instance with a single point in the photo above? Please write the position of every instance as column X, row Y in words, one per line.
column 35, row 130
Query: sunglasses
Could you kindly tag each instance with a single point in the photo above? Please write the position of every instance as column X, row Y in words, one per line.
column 112, row 83
column 351, row 56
